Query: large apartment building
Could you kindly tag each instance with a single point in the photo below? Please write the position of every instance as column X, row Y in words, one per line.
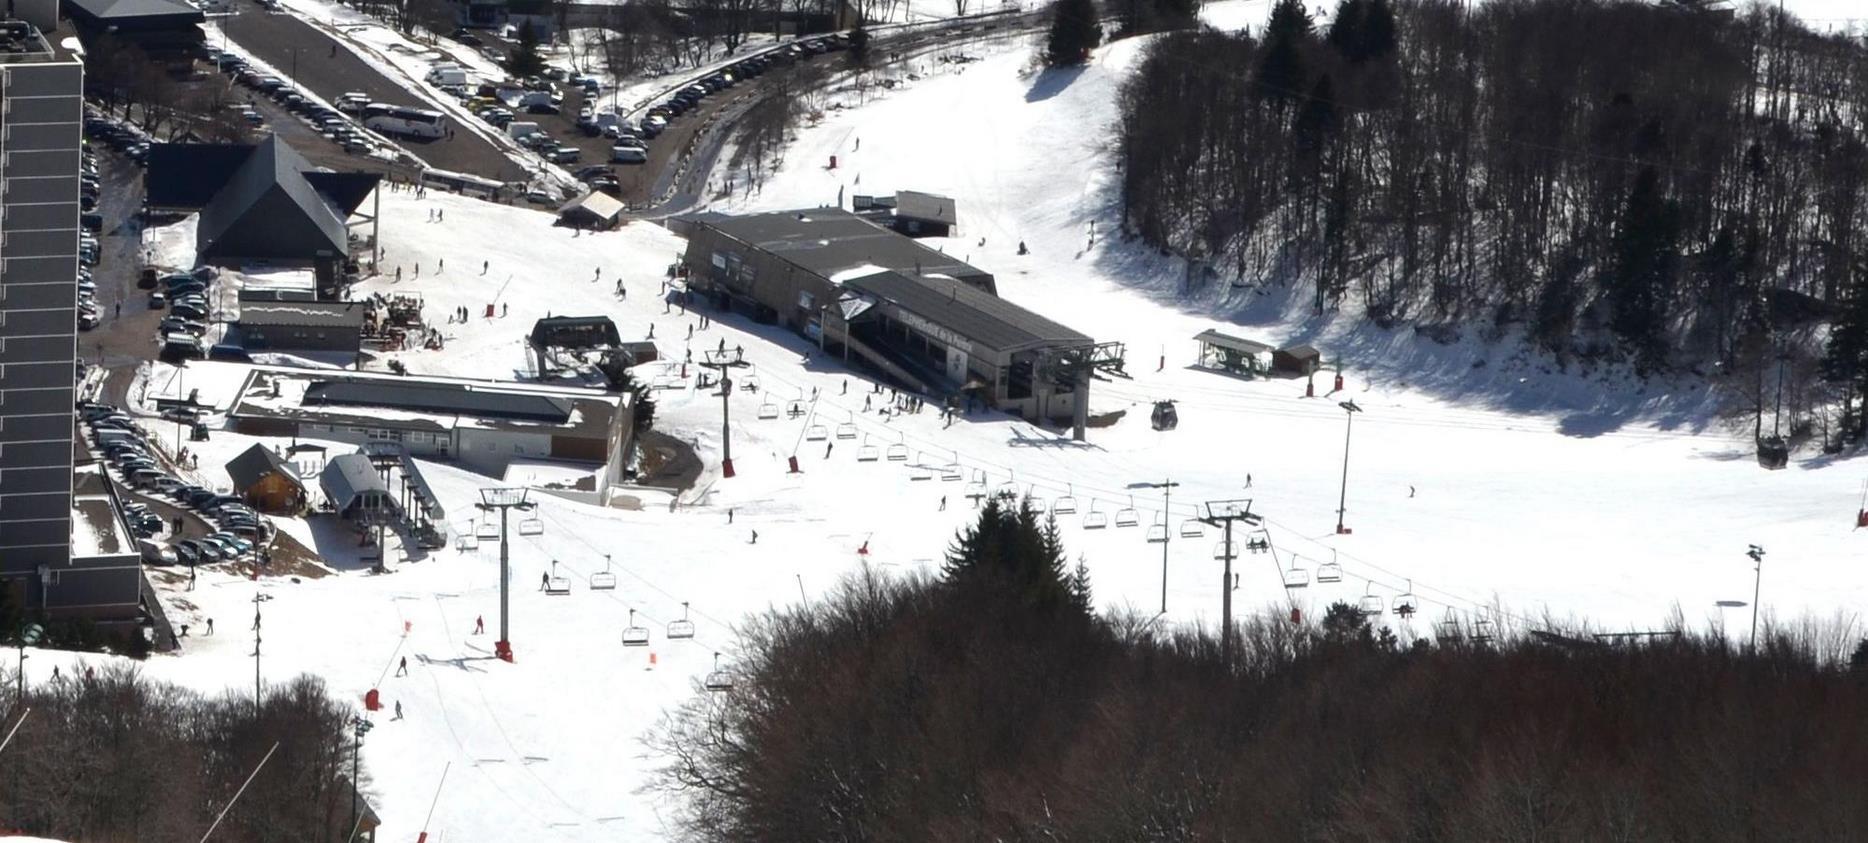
column 41, row 122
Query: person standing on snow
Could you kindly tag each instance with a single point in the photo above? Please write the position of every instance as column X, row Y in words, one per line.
column 403, row 668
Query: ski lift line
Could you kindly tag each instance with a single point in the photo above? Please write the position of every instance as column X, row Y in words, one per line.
column 1111, row 496
column 558, row 526
column 1452, row 601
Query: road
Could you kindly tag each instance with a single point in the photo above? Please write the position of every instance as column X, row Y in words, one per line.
column 316, row 62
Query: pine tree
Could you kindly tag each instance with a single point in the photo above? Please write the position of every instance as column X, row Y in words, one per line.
column 1641, row 276
column 1845, row 358
column 859, row 45
column 1075, row 31
column 1281, row 72
column 1008, row 548
column 1080, row 595
column 525, row 60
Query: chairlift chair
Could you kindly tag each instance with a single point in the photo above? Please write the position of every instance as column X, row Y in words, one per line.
column 1219, row 551
column 976, row 487
column 1448, row 630
column 1094, row 520
column 898, row 452
column 794, row 408
column 920, row 472
column 717, row 679
column 1127, row 516
column 635, row 636
column 846, row 430
column 1065, row 505
column 1483, row 630
column 868, row 452
column 531, row 526
column 1330, row 571
column 1192, row 529
column 466, row 541
column 1404, row 604
column 682, row 629
column 1008, row 489
column 1296, row 577
column 486, row 530
column 555, row 585
column 1157, row 532
column 768, row 410
column 1371, row 603
column 603, row 580
column 950, row 473
column 816, row 433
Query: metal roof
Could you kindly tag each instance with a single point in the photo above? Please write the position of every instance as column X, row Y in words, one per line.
column 451, row 399
column 1300, row 351
column 348, row 477
column 575, row 332
column 108, row 11
column 595, row 203
column 187, row 175
column 267, row 209
column 1239, row 344
column 913, row 205
column 327, row 314
column 825, row 241
column 253, row 464
column 345, row 191
column 977, row 315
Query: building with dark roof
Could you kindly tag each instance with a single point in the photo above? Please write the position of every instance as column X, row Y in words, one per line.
column 259, row 203
column 300, row 326
column 923, row 319
column 267, row 481
column 484, row 425
column 168, row 30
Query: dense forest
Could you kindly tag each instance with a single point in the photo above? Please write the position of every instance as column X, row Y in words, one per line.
column 990, row 703
column 1621, row 180
column 112, row 756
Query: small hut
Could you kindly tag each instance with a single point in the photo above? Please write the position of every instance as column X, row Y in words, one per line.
column 356, row 491
column 267, row 481
column 1233, row 355
column 1297, row 360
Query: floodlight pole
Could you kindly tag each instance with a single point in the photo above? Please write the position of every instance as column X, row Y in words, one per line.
column 1342, row 500
column 726, row 412
column 1166, row 487
column 1756, row 552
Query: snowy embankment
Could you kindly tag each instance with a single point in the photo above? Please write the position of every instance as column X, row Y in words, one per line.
column 1467, row 506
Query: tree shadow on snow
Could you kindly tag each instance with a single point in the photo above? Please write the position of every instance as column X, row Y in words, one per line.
column 1053, row 81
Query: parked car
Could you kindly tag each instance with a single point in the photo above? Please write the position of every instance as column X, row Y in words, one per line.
column 629, row 155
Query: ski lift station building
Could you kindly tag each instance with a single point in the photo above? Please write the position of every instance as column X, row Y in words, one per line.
column 925, row 319
column 482, row 425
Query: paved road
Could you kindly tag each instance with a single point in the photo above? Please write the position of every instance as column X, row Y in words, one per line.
column 316, row 62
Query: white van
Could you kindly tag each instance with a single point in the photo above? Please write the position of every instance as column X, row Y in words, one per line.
column 629, row 155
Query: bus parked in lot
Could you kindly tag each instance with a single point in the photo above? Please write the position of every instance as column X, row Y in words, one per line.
column 397, row 120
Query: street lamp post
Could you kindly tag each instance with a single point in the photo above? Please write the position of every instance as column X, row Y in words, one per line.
column 360, row 728
column 1166, row 487
column 1342, row 501
column 1756, row 552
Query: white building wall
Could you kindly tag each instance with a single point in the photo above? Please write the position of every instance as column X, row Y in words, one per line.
column 489, row 451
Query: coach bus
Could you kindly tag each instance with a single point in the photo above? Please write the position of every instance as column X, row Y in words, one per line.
column 397, row 120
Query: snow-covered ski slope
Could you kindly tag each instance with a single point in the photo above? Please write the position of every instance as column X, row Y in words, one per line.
column 1550, row 493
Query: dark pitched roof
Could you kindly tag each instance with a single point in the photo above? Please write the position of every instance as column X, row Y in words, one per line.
column 268, row 209
column 826, row 241
column 348, row 477
column 451, row 399
column 254, row 463
column 333, row 314
column 346, row 191
column 1239, row 344
column 187, row 175
column 910, row 205
column 108, row 11
column 979, row 316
